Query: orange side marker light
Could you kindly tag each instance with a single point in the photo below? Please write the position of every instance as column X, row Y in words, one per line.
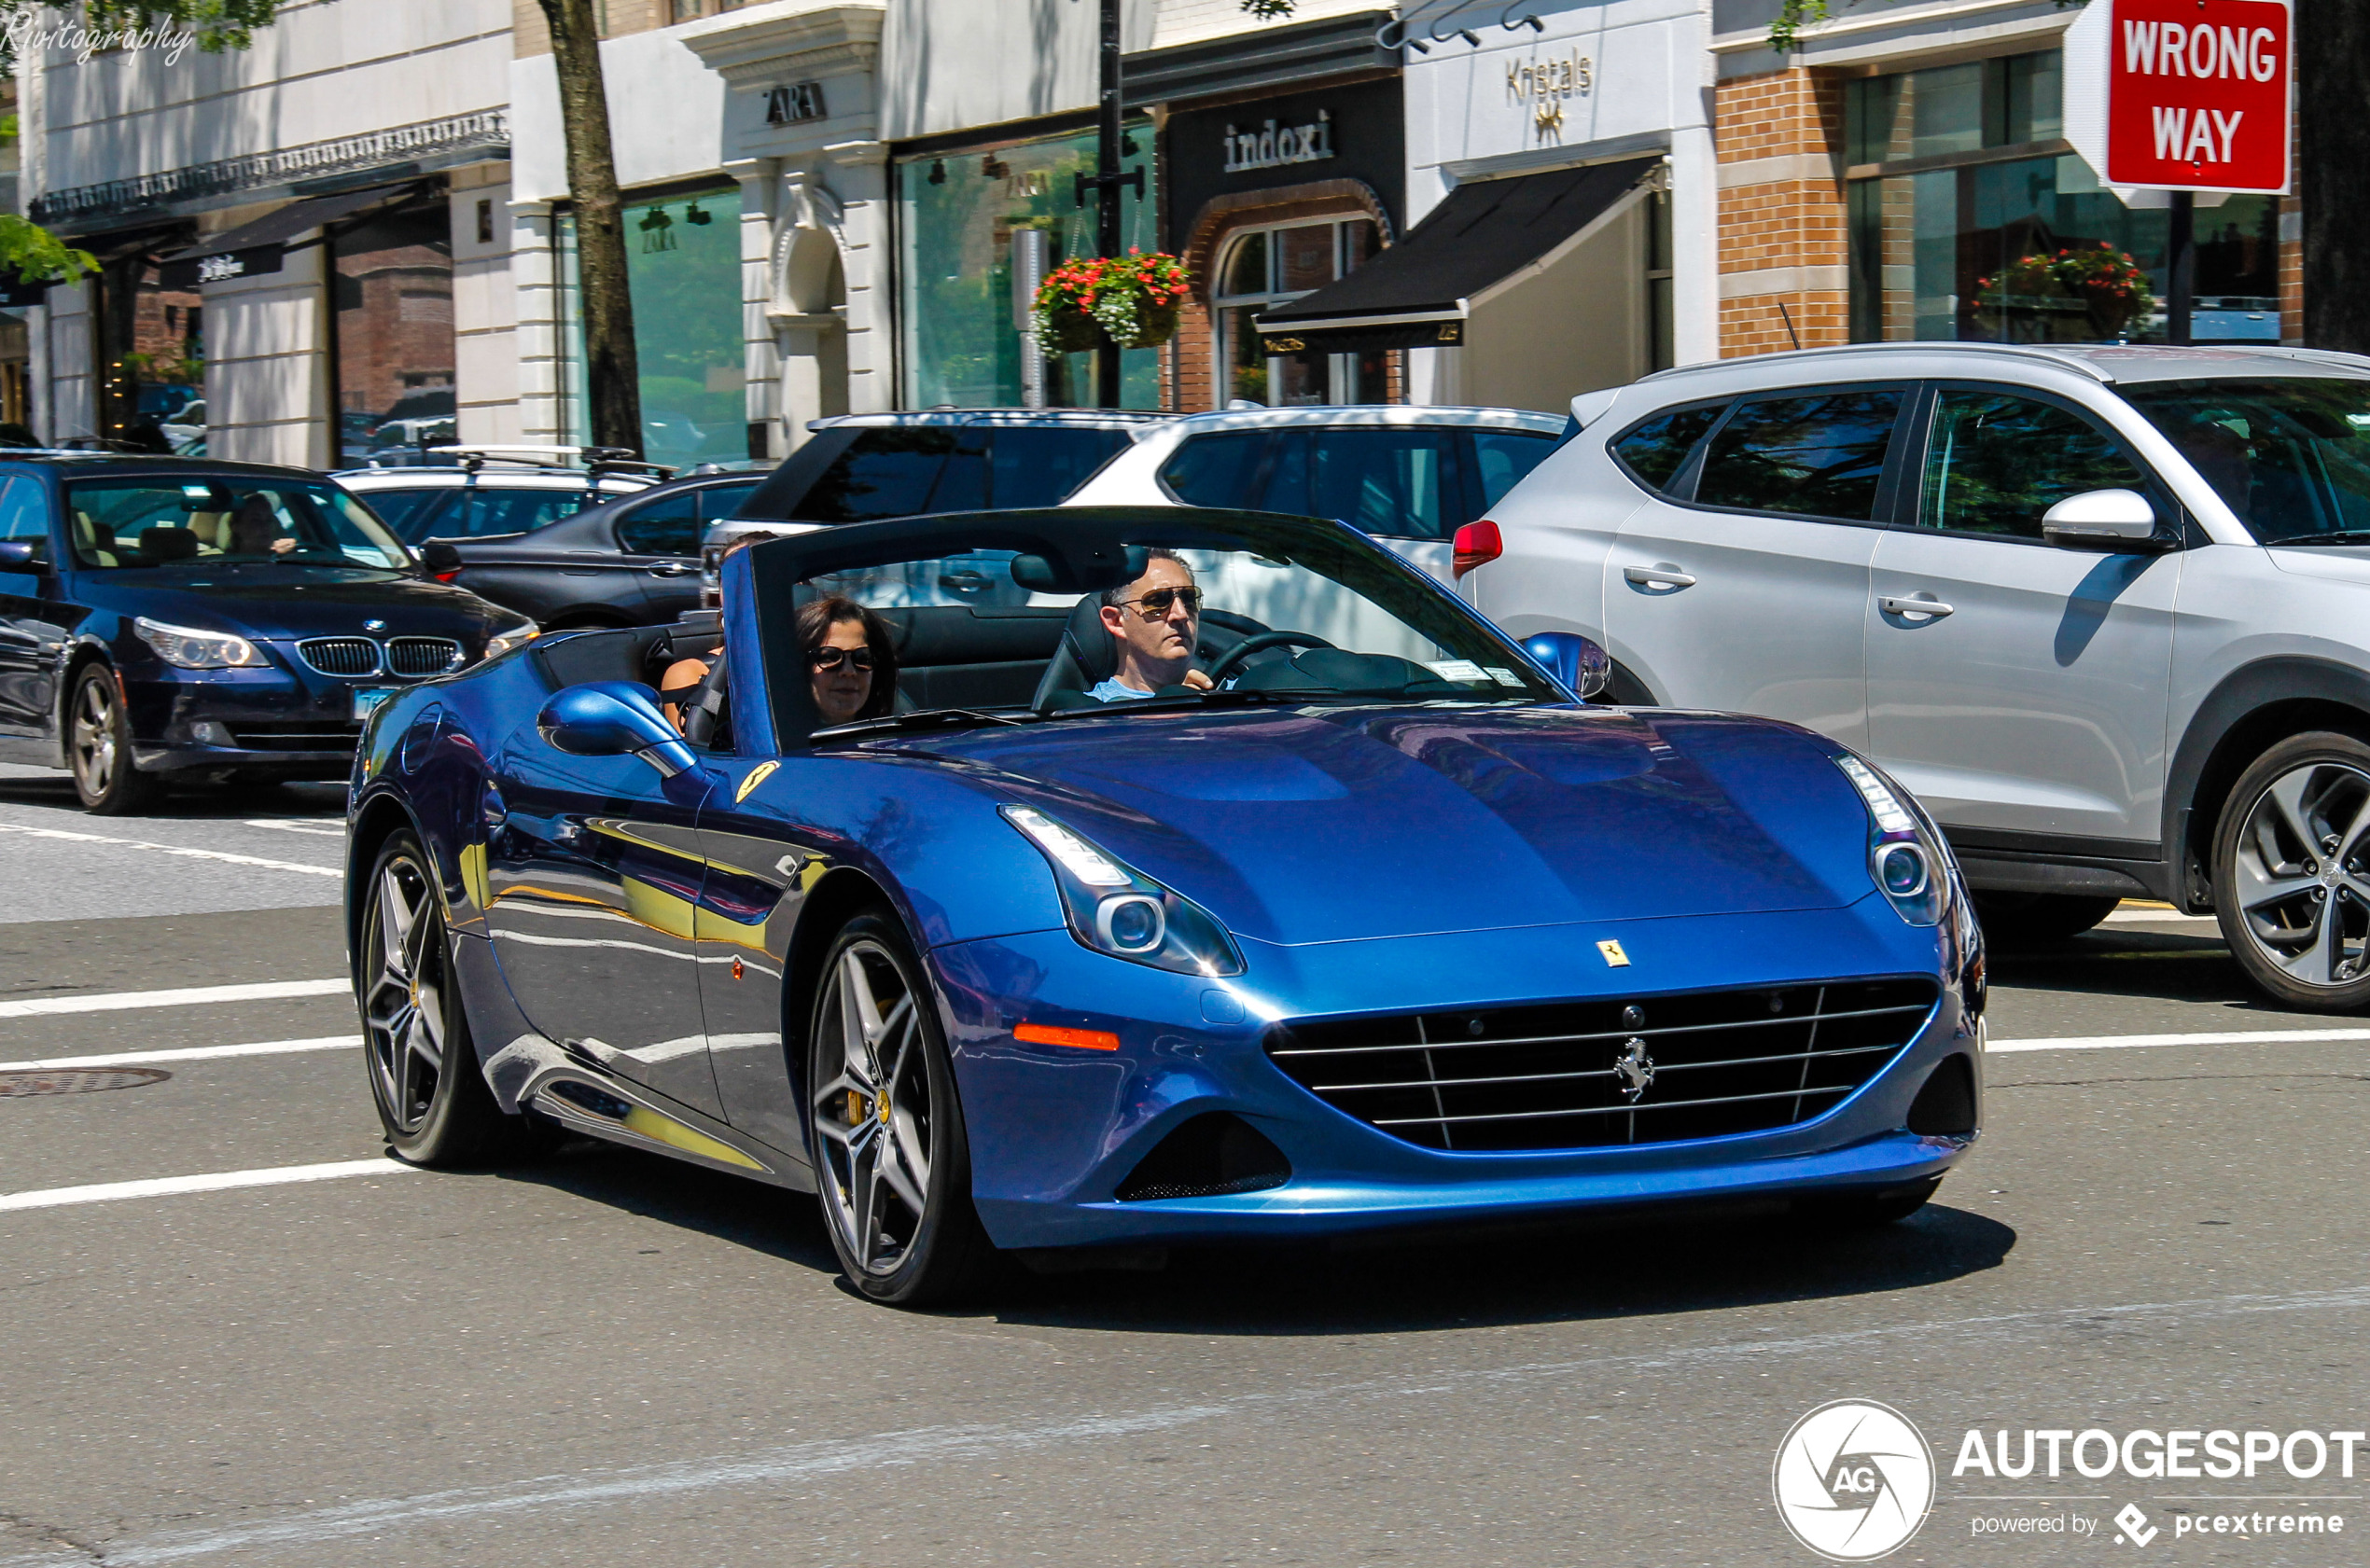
column 1084, row 1039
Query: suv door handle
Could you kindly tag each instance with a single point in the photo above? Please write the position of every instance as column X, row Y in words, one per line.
column 673, row 568
column 1661, row 574
column 1915, row 605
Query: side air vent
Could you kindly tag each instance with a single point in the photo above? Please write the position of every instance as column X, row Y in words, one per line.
column 1215, row 1153
column 1946, row 1106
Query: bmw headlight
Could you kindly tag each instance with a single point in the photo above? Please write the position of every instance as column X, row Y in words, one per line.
column 1119, row 911
column 190, row 648
column 516, row 637
column 1908, row 859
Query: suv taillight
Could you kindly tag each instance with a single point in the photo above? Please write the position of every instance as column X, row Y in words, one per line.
column 1477, row 544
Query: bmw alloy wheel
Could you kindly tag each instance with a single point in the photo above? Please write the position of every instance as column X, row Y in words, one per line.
column 99, row 746
column 2298, row 877
column 874, row 1112
column 94, row 736
column 403, row 1000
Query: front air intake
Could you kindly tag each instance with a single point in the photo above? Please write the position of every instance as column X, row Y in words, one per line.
column 1213, row 1153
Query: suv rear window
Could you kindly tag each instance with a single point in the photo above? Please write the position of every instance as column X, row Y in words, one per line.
column 1812, row 454
column 906, row 470
column 1656, row 449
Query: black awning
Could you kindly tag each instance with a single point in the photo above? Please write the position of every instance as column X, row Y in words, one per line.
column 1416, row 294
column 259, row 247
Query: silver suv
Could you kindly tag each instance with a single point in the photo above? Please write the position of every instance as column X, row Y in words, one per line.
column 2105, row 610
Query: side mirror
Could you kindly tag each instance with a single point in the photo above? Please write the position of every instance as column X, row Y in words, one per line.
column 2116, row 521
column 441, row 560
column 19, row 555
column 1585, row 669
column 614, row 718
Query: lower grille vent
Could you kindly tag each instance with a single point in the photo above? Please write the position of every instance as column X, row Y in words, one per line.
column 1587, row 1075
column 323, row 736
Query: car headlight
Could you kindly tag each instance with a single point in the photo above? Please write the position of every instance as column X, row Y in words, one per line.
column 516, row 637
column 190, row 648
column 1119, row 911
column 1907, row 857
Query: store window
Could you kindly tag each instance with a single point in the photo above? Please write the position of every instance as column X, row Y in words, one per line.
column 683, row 264
column 152, row 345
column 1963, row 193
column 1261, row 268
column 961, row 319
column 391, row 290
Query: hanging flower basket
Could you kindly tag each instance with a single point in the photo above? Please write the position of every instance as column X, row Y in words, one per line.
column 1131, row 301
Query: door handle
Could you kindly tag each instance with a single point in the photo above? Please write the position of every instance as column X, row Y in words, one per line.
column 1915, row 605
column 1661, row 574
column 672, row 569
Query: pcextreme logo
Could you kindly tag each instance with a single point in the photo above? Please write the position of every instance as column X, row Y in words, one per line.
column 1854, row 1479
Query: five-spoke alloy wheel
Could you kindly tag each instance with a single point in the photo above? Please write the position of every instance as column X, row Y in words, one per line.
column 891, row 1163
column 2291, row 872
column 99, row 746
column 431, row 1095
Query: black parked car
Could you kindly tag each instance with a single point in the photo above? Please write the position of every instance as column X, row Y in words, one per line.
column 186, row 618
column 632, row 562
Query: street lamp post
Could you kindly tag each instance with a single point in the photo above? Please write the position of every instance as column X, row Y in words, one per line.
column 1106, row 182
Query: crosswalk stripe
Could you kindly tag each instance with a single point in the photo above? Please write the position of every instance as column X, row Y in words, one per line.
column 168, row 1186
column 182, row 850
column 2227, row 1037
column 184, row 996
column 187, row 1053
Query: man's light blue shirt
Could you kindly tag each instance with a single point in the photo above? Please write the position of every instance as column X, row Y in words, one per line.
column 1116, row 690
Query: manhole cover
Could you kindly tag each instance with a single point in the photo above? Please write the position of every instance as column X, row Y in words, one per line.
column 77, row 1080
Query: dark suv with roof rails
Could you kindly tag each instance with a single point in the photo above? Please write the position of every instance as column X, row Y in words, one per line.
column 188, row 618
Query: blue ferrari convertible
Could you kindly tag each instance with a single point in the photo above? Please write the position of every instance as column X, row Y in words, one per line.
column 1127, row 877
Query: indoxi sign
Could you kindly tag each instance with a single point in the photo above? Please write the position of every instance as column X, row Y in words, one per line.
column 2181, row 94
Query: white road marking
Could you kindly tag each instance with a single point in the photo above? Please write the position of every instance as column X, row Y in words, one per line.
column 224, row 1181
column 185, row 996
column 188, row 1053
column 2227, row 1037
column 2158, row 917
column 768, row 1469
column 323, row 827
column 223, row 856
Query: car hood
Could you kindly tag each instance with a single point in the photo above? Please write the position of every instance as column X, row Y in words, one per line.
column 1329, row 824
column 283, row 602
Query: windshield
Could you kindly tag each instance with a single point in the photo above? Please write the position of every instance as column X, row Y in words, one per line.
column 213, row 519
column 1297, row 612
column 2292, row 457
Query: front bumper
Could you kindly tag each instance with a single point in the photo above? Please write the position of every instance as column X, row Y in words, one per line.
column 1055, row 1131
column 295, row 723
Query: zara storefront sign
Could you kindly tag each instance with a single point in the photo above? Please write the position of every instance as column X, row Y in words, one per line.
column 1274, row 146
column 2181, row 94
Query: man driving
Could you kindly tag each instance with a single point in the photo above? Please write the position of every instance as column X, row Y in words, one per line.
column 1156, row 620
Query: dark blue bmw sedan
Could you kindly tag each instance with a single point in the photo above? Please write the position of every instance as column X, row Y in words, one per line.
column 187, row 618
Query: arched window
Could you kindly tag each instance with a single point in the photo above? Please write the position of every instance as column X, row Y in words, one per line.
column 1262, row 268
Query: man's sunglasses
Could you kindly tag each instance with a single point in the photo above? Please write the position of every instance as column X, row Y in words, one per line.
column 830, row 658
column 1156, row 604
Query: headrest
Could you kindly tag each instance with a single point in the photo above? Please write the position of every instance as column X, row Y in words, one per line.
column 1089, row 643
column 166, row 543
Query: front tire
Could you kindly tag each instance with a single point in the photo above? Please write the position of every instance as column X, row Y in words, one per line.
column 2291, row 872
column 431, row 1095
column 99, row 747
column 892, row 1166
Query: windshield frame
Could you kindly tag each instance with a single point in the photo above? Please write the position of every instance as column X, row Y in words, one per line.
column 2177, row 411
column 1084, row 545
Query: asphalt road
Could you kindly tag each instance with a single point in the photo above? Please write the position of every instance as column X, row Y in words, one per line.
column 610, row 1358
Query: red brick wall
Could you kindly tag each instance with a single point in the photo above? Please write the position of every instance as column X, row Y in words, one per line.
column 1787, row 223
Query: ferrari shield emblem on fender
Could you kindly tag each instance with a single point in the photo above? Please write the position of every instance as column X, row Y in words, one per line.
column 1614, row 957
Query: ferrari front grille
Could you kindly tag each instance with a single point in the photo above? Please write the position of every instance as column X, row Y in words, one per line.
column 1589, row 1075
column 422, row 656
column 341, row 656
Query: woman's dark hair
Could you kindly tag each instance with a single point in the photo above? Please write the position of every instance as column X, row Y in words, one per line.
column 815, row 622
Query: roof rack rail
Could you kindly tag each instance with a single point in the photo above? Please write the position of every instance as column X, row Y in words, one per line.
column 2063, row 360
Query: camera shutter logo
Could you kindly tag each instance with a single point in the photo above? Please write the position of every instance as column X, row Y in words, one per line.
column 1854, row 1479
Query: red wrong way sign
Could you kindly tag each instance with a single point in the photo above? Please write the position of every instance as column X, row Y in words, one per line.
column 2181, row 94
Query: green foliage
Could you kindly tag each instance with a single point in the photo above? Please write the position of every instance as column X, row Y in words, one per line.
column 31, row 251
column 1268, row 10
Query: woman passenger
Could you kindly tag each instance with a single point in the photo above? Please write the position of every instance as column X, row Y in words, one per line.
column 850, row 660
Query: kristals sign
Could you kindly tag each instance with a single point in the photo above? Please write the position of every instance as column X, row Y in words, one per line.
column 1272, row 146
column 1542, row 85
column 2181, row 94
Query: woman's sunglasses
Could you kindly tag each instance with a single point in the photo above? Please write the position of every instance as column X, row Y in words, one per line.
column 830, row 658
column 1156, row 604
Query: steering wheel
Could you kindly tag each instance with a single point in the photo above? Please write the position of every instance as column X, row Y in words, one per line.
column 1251, row 646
